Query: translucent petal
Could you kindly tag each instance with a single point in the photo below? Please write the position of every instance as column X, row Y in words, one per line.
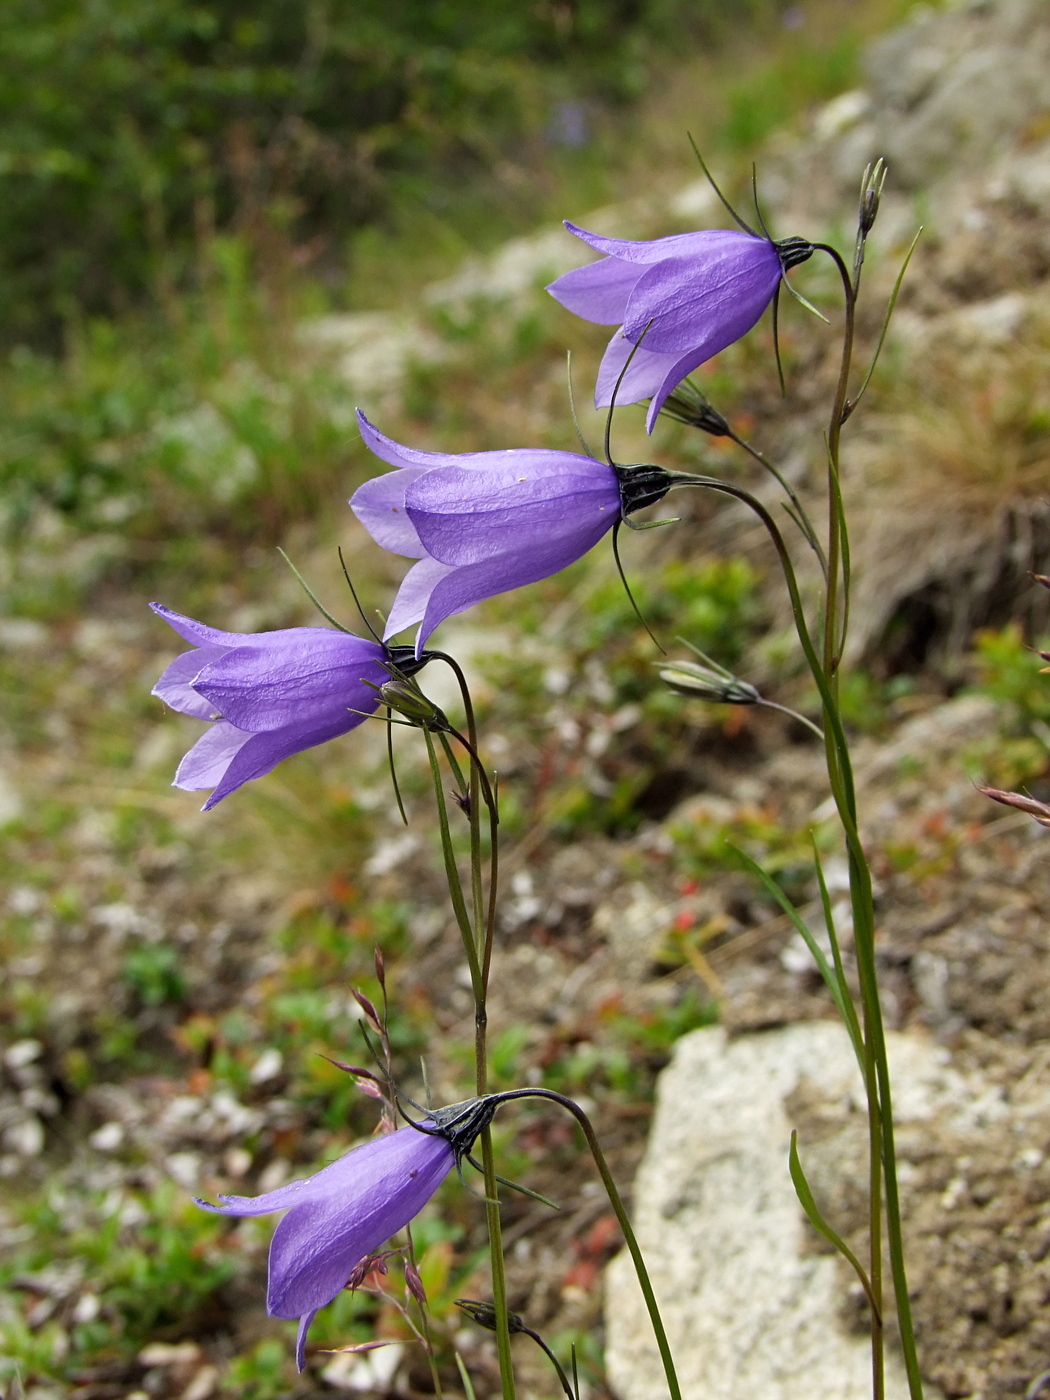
column 598, row 291
column 312, row 679
column 689, row 305
column 380, row 506
column 175, row 686
column 701, row 244
column 463, row 517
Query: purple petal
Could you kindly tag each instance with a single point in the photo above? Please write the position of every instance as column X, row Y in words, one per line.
column 175, row 685
column 414, row 594
column 380, row 506
column 313, row 677
column 300, row 1341
column 398, row 456
column 262, row 753
column 368, row 1196
column 643, row 378
column 463, row 516
column 700, row 245
column 343, row 1213
column 211, row 755
column 598, row 291
column 465, row 586
column 672, row 378
column 693, row 305
column 196, row 632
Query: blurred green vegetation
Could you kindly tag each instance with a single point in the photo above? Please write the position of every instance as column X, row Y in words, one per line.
column 134, row 130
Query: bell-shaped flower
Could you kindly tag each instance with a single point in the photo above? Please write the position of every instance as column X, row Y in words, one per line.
column 267, row 695
column 481, row 523
column 341, row 1215
column 676, row 301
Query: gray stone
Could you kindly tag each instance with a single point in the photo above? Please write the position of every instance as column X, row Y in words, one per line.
column 750, row 1308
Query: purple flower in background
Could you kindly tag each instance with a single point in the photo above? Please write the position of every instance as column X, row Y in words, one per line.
column 689, row 296
column 268, row 695
column 481, row 523
column 340, row 1216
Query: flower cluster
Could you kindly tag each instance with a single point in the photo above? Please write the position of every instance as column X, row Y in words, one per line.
column 476, row 524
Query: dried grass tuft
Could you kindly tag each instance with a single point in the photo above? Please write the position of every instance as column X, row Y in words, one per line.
column 950, row 492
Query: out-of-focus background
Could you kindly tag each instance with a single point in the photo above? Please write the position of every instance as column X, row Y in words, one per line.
column 226, row 225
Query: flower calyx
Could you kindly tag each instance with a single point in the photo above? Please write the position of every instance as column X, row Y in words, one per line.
column 460, row 1124
column 403, row 661
column 792, row 251
column 641, row 484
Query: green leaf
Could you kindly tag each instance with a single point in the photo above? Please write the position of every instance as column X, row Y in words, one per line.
column 809, row 1205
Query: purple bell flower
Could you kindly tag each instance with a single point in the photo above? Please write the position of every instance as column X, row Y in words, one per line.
column 268, row 695
column 695, row 292
column 482, row 523
column 341, row 1215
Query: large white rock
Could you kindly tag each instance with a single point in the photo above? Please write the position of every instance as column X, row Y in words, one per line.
column 750, row 1312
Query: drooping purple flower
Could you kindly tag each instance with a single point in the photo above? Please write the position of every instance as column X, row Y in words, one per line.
column 684, row 298
column 267, row 694
column 343, row 1213
column 339, row 1216
column 482, row 523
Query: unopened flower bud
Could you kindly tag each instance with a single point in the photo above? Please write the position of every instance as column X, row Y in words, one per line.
column 484, row 1314
column 414, row 1284
column 689, row 406
column 709, row 682
column 411, row 703
column 870, row 195
column 1039, row 811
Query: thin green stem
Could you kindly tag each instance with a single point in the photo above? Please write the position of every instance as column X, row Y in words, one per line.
column 620, row 1211
column 553, row 1360
column 838, row 409
column 800, row 517
column 455, row 885
column 480, row 937
column 499, row 1278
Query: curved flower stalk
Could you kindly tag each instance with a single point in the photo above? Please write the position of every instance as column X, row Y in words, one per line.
column 341, row 1215
column 481, row 523
column 268, row 695
column 689, row 296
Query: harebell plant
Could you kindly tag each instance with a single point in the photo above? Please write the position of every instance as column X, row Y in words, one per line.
column 478, row 524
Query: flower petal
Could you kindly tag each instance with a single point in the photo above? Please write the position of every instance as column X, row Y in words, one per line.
column 380, row 506
column 414, row 594
column 468, row 585
column 687, row 306
column 263, row 752
column 646, row 373
column 464, row 517
column 211, row 755
column 700, row 245
column 368, row 1196
column 397, row 455
column 312, row 678
column 175, row 686
column 300, row 1340
column 196, row 632
column 598, row 291
column 672, row 378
